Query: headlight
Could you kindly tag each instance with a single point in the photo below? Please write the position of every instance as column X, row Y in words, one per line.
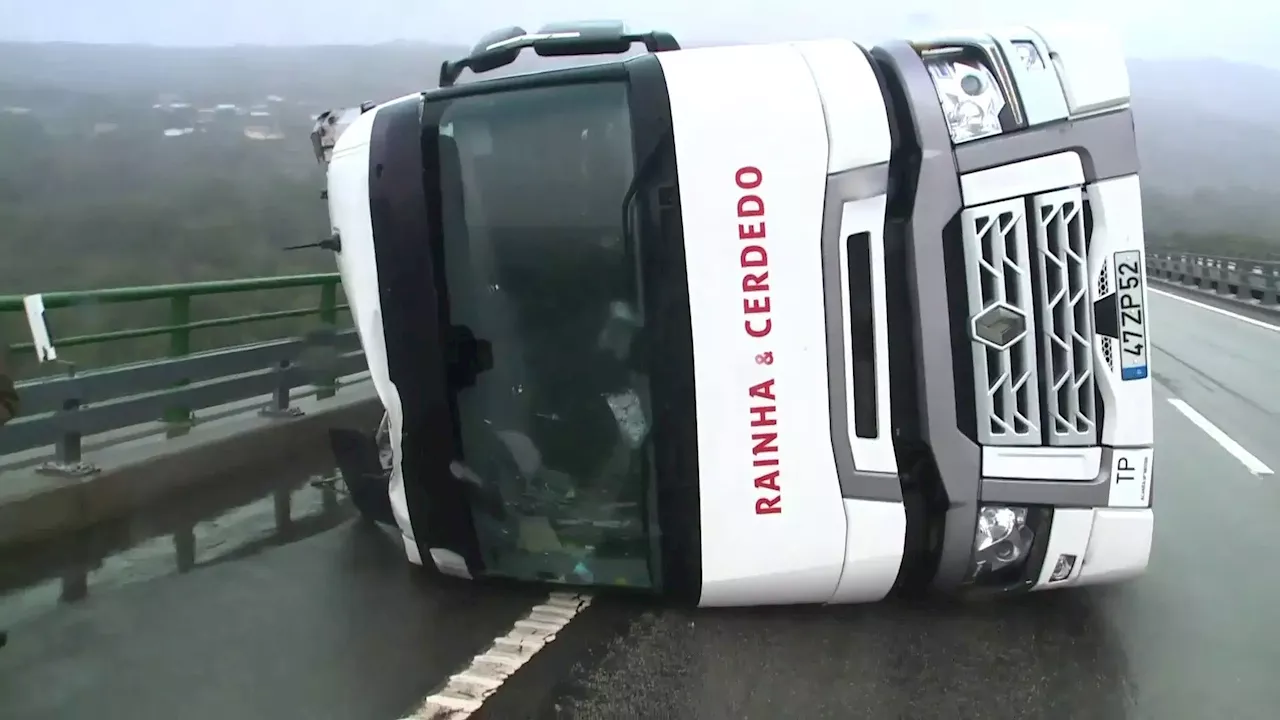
column 970, row 96
column 1003, row 539
column 329, row 126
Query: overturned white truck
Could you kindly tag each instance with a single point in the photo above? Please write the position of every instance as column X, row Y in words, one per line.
column 785, row 323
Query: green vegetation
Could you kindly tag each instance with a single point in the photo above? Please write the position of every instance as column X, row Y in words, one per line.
column 94, row 195
column 80, row 211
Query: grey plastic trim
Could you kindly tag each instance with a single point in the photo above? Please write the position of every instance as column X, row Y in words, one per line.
column 1059, row 493
column 1105, row 143
column 1043, row 100
column 851, row 185
column 1067, row 388
column 1009, row 373
column 958, row 458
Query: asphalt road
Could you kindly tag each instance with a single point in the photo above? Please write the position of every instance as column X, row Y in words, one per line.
column 334, row 624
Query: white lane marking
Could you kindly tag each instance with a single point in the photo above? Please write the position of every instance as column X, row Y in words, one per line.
column 1246, row 458
column 467, row 690
column 1220, row 311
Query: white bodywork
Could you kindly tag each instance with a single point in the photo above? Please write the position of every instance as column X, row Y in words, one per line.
column 348, row 192
column 810, row 544
column 790, row 115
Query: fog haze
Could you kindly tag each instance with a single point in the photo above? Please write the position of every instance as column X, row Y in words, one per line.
column 1205, row 87
column 1151, row 28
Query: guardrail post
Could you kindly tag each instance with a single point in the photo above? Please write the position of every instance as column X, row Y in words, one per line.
column 1244, row 282
column 178, row 418
column 282, row 504
column 329, row 499
column 1223, row 276
column 74, row 585
column 68, row 460
column 74, row 578
column 184, row 548
column 327, row 386
column 1270, row 284
column 280, row 406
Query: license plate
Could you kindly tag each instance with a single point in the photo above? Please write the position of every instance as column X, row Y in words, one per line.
column 1131, row 478
column 1133, row 315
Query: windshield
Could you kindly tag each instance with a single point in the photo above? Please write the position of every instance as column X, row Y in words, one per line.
column 543, row 283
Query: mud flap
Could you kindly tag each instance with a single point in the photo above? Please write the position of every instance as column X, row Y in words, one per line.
column 356, row 455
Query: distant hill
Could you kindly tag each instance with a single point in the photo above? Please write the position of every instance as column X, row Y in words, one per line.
column 318, row 76
column 1207, row 137
column 1207, row 124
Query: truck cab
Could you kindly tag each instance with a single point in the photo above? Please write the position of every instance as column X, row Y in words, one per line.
column 1020, row 216
column 787, row 323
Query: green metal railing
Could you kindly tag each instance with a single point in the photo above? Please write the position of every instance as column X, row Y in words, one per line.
column 180, row 326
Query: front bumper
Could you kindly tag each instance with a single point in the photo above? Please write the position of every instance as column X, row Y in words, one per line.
column 1085, row 535
column 1101, row 545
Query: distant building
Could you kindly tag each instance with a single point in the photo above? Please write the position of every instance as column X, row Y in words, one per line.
column 262, row 132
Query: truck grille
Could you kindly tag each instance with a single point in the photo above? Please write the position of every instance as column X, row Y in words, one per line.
column 1031, row 320
column 1066, row 316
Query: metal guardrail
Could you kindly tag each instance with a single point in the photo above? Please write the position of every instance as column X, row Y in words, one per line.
column 1256, row 282
column 180, row 327
column 59, row 412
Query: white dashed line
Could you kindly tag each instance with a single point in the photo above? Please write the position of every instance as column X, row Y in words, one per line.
column 1220, row 311
column 467, row 690
column 1246, row 458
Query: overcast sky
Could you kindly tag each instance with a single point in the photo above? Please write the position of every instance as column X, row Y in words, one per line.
column 1235, row 29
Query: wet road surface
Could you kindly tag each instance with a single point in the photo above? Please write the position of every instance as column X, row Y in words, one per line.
column 328, row 621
